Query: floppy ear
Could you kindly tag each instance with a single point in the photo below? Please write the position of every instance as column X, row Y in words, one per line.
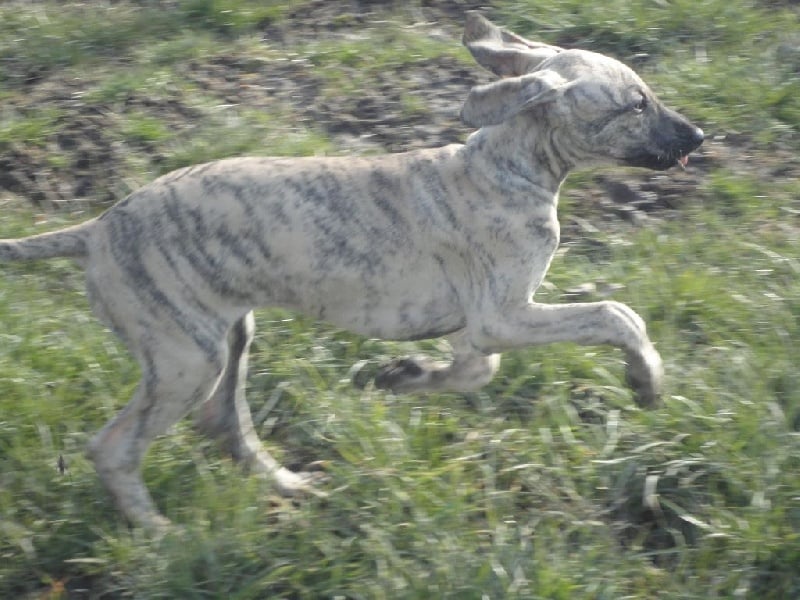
column 493, row 103
column 504, row 53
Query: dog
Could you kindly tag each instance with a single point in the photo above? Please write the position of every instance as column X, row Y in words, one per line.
column 446, row 242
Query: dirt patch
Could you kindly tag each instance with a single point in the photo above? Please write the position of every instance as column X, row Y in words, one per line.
column 413, row 106
column 76, row 162
column 318, row 19
column 82, row 158
column 255, row 83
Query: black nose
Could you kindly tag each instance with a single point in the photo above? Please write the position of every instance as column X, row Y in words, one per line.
column 697, row 137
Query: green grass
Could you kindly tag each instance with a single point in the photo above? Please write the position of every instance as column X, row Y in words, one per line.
column 549, row 482
column 232, row 132
column 17, row 128
column 50, row 35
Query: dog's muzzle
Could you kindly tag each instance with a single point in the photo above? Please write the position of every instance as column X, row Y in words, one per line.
column 688, row 139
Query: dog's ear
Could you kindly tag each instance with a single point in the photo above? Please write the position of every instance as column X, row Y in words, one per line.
column 504, row 53
column 493, row 103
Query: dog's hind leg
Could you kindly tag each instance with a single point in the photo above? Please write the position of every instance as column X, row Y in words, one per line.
column 176, row 376
column 468, row 371
column 226, row 417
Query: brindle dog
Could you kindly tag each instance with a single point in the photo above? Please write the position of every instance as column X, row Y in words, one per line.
column 451, row 241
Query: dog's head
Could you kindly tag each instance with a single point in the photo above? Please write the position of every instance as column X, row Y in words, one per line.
column 595, row 108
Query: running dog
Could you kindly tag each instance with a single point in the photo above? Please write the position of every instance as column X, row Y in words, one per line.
column 450, row 241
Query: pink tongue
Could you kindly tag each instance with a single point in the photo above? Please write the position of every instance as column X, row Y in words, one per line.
column 683, row 161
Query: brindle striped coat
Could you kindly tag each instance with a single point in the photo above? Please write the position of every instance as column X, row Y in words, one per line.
column 450, row 242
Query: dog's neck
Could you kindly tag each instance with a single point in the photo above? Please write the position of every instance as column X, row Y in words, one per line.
column 517, row 166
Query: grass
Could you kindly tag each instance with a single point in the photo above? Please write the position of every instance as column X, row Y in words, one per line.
column 18, row 128
column 233, row 132
column 549, row 482
column 47, row 35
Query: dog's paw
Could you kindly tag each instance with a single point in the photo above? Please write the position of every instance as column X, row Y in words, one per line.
column 645, row 375
column 401, row 374
column 293, row 484
column 156, row 527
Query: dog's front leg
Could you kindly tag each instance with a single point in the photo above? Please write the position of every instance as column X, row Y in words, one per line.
column 587, row 324
column 468, row 371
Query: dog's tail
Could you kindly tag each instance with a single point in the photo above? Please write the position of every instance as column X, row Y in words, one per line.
column 69, row 242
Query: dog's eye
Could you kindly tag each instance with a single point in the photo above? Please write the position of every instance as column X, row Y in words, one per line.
column 640, row 105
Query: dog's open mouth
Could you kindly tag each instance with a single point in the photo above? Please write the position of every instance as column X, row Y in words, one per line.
column 658, row 162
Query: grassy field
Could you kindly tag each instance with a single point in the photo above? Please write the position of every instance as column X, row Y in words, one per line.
column 549, row 483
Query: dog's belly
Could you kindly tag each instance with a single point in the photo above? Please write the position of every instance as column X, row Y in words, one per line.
column 404, row 320
column 397, row 309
